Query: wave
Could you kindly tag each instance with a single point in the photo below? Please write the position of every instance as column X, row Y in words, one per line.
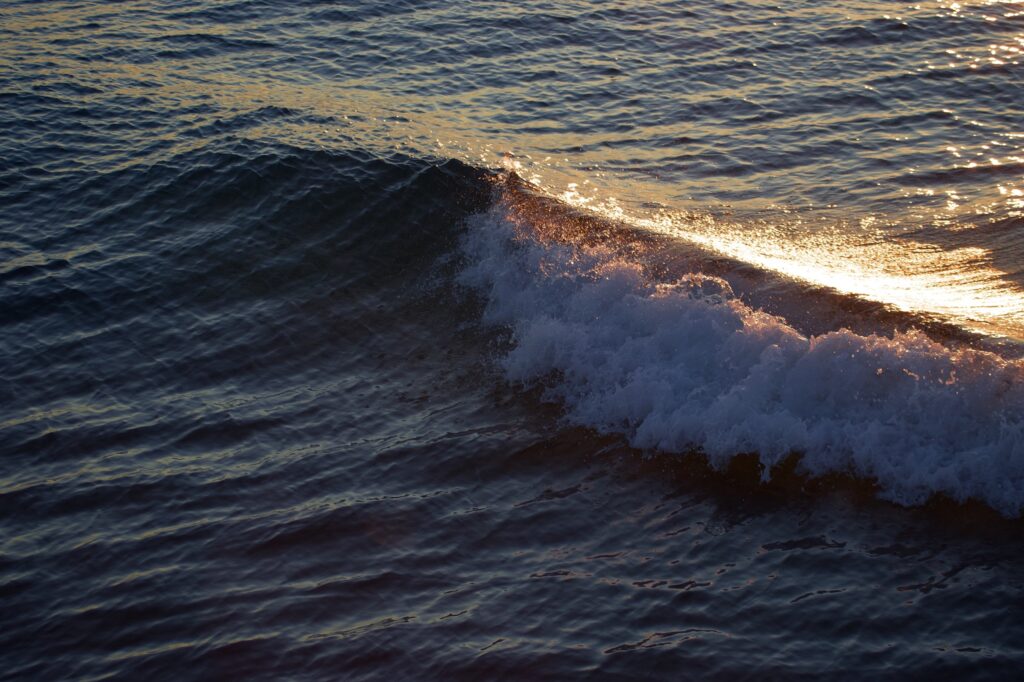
column 677, row 362
column 633, row 334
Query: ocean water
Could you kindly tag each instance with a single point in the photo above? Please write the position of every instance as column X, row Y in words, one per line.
column 536, row 340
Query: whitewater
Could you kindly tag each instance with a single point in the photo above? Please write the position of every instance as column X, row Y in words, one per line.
column 683, row 365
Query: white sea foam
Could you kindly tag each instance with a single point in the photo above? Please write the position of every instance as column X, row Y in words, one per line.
column 686, row 365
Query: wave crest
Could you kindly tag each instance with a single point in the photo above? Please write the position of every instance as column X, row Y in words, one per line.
column 685, row 365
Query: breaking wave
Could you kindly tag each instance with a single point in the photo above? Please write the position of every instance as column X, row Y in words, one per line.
column 682, row 364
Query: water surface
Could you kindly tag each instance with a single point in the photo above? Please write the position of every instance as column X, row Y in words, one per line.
column 540, row 340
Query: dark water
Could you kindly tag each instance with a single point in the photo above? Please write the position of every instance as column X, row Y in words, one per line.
column 421, row 340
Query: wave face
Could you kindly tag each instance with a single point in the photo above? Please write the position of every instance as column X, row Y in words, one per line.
column 683, row 364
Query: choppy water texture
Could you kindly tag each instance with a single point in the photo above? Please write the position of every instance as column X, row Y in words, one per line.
column 535, row 340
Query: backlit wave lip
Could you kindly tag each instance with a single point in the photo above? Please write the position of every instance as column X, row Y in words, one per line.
column 668, row 355
column 958, row 285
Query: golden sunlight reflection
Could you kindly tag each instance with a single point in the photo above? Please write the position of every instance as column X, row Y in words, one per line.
column 958, row 285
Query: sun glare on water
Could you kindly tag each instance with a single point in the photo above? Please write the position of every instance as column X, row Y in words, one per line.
column 956, row 285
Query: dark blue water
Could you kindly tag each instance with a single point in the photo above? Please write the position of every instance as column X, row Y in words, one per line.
column 543, row 340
